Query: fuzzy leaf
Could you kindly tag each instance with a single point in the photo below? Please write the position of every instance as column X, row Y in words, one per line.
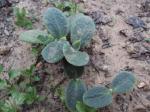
column 56, row 22
column 82, row 28
column 73, row 71
column 53, row 52
column 97, row 97
column 74, row 93
column 32, row 36
column 124, row 82
column 75, row 57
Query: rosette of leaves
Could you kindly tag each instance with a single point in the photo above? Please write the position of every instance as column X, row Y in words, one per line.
column 100, row 96
column 68, row 37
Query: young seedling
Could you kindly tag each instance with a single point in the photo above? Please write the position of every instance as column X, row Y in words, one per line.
column 69, row 36
column 21, row 18
column 98, row 97
column 69, row 7
column 18, row 90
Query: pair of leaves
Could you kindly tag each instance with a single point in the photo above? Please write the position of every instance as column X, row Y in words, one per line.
column 98, row 97
column 55, row 51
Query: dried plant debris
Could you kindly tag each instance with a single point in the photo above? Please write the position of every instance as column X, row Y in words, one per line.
column 100, row 17
column 146, row 6
column 140, row 51
column 104, row 37
column 133, row 36
column 136, row 22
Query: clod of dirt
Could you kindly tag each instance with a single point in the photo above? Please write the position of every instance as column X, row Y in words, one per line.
column 136, row 22
column 100, row 17
column 4, row 50
column 146, row 6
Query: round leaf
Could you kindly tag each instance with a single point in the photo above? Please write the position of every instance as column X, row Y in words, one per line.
column 73, row 71
column 74, row 93
column 75, row 57
column 56, row 22
column 97, row 97
column 82, row 28
column 124, row 82
column 32, row 36
column 53, row 53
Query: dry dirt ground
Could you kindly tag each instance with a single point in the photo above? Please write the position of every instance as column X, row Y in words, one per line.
column 117, row 45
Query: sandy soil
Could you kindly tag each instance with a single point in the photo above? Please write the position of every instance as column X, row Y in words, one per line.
column 116, row 46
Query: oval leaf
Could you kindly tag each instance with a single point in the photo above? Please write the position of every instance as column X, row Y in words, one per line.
column 82, row 28
column 56, row 22
column 75, row 57
column 53, row 52
column 73, row 71
column 74, row 93
column 124, row 82
column 97, row 97
column 32, row 36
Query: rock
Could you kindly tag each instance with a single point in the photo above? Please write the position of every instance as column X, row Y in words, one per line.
column 136, row 22
column 141, row 85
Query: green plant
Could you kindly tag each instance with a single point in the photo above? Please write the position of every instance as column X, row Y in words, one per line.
column 64, row 39
column 21, row 18
column 68, row 38
column 98, row 97
column 19, row 89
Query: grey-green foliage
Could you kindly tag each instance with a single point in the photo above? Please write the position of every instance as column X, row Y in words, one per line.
column 81, row 28
column 32, row 36
column 123, row 83
column 75, row 57
column 74, row 93
column 98, row 97
column 53, row 52
column 56, row 22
